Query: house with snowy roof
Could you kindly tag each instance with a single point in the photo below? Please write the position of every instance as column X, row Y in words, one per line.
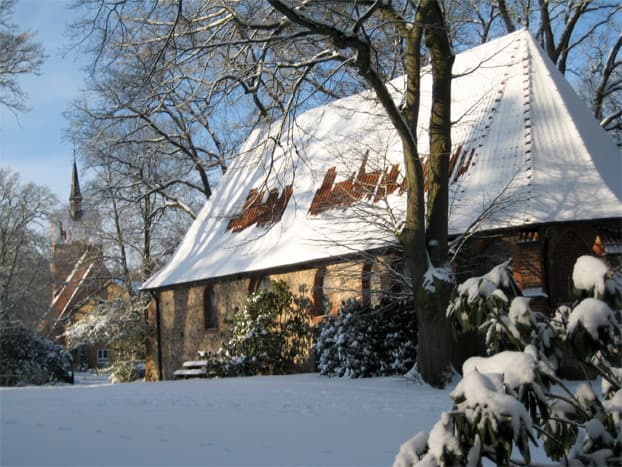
column 533, row 177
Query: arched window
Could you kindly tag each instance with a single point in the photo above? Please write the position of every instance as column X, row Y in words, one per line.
column 366, row 283
column 321, row 293
column 380, row 280
column 259, row 283
column 396, row 275
column 210, row 309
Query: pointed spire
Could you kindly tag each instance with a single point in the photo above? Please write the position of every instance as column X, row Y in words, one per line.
column 75, row 198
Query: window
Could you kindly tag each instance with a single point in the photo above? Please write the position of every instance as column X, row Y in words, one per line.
column 102, row 356
column 366, row 283
column 379, row 280
column 321, row 293
column 258, row 284
column 210, row 309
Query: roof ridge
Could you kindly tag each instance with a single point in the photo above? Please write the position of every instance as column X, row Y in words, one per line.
column 527, row 120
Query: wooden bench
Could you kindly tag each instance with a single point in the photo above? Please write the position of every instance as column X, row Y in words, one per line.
column 192, row 369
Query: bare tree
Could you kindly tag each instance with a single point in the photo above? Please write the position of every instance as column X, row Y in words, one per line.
column 125, row 191
column 581, row 37
column 150, row 86
column 19, row 55
column 603, row 82
column 25, row 278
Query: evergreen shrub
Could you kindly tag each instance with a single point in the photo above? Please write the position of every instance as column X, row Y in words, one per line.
column 364, row 341
column 271, row 335
column 26, row 358
column 513, row 399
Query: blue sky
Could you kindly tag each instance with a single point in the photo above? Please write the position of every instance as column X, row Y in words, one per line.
column 32, row 143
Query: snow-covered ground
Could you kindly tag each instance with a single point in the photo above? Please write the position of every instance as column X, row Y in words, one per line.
column 272, row 420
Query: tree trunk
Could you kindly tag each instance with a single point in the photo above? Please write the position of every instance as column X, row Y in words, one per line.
column 437, row 42
column 505, row 16
column 434, row 346
column 431, row 300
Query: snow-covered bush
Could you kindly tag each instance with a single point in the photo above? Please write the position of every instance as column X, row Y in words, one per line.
column 507, row 400
column 366, row 341
column 483, row 304
column 271, row 335
column 121, row 325
column 492, row 306
column 26, row 358
column 592, row 277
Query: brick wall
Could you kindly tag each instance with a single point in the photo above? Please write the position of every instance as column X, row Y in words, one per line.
column 182, row 318
column 540, row 257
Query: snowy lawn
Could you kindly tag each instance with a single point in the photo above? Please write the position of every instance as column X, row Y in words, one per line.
column 272, row 420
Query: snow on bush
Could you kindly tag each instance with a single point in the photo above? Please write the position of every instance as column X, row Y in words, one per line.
column 607, row 388
column 597, row 426
column 412, row 450
column 592, row 315
column 489, row 409
column 594, row 329
column 593, row 277
column 614, row 405
column 26, row 358
column 590, row 274
column 506, row 400
column 491, row 305
column 520, row 312
column 120, row 324
column 516, row 368
column 484, row 421
column 481, row 303
column 363, row 341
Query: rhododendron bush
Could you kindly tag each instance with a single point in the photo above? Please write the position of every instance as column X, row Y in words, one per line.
column 513, row 398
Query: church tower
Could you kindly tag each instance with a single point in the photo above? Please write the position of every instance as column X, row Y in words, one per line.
column 77, row 260
column 79, row 273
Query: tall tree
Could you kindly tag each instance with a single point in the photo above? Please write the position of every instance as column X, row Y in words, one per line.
column 19, row 55
column 25, row 279
column 125, row 191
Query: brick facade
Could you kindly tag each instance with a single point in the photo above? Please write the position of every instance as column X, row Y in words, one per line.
column 542, row 258
column 177, row 316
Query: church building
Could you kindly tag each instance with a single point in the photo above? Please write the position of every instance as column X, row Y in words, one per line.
column 533, row 177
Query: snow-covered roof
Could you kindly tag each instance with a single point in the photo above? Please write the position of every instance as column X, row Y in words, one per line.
column 526, row 150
